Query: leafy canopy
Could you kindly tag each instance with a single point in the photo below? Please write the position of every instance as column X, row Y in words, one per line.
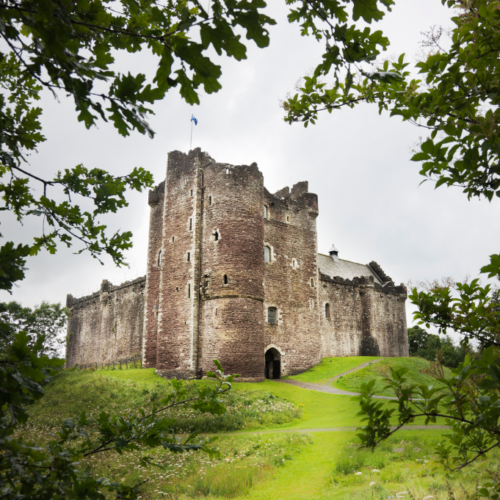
column 69, row 47
column 453, row 93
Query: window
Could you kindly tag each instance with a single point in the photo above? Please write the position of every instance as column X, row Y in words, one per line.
column 312, row 282
column 265, row 212
column 189, row 290
column 191, row 192
column 267, row 254
column 210, row 200
column 216, row 236
column 227, row 170
column 288, row 218
column 225, row 280
column 189, row 257
column 190, row 224
column 173, row 239
column 327, row 311
column 271, row 315
column 294, row 263
column 159, row 259
column 311, row 304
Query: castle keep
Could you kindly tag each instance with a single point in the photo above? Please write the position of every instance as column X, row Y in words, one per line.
column 234, row 274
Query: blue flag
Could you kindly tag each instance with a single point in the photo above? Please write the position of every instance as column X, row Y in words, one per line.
column 193, row 119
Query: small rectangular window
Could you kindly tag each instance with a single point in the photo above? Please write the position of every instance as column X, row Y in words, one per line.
column 191, row 192
column 189, row 290
column 265, row 212
column 271, row 315
column 267, row 254
column 189, row 256
column 210, row 200
column 190, row 224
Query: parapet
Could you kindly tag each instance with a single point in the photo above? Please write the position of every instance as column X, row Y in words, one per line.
column 157, row 193
column 106, row 287
column 365, row 282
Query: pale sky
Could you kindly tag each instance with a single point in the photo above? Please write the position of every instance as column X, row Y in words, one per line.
column 370, row 202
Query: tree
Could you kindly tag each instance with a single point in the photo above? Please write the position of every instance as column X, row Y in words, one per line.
column 47, row 321
column 70, row 47
column 455, row 98
column 426, row 345
column 54, row 470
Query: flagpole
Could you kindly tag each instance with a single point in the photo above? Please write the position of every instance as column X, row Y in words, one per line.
column 191, row 142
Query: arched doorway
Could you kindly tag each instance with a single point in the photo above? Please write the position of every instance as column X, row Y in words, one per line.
column 273, row 363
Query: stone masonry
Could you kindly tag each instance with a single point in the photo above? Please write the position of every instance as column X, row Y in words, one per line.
column 234, row 274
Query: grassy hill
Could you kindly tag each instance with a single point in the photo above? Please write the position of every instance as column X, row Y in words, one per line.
column 331, row 367
column 277, row 440
column 379, row 371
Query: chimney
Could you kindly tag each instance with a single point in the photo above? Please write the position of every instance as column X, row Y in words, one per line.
column 334, row 253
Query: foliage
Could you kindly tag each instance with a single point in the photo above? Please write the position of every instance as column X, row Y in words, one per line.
column 54, row 470
column 47, row 321
column 70, row 47
column 419, row 371
column 469, row 403
column 455, row 96
column 427, row 346
column 74, row 391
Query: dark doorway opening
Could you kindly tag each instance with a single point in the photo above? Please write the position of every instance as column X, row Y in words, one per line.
column 273, row 364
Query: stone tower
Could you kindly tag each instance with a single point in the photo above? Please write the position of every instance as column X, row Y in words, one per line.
column 205, row 269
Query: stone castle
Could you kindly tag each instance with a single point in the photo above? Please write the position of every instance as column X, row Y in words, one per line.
column 234, row 274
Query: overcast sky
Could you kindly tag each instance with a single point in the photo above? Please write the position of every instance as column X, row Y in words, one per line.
column 371, row 205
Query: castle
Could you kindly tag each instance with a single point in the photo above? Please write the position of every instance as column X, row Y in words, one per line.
column 234, row 274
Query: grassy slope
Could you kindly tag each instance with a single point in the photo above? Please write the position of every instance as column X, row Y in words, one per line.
column 331, row 367
column 311, row 473
column 378, row 372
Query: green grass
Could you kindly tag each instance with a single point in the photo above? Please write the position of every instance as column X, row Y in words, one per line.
column 255, row 466
column 378, row 371
column 125, row 391
column 331, row 367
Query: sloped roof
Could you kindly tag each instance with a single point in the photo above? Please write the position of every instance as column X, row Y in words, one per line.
column 343, row 268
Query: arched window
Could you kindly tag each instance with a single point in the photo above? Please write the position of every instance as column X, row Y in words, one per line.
column 225, row 279
column 267, row 254
column 265, row 212
column 327, row 311
column 159, row 259
column 271, row 315
column 294, row 263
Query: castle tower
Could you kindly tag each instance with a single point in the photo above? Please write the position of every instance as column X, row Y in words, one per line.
column 233, row 270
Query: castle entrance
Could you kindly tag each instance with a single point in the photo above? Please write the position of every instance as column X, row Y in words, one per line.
column 273, row 363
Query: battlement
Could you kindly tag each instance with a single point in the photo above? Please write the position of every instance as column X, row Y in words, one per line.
column 365, row 282
column 106, row 287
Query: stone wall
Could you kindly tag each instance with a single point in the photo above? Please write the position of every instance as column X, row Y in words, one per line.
column 291, row 280
column 156, row 201
column 106, row 327
column 366, row 319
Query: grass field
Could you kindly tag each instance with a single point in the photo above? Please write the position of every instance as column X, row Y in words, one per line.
column 378, row 371
column 265, row 458
column 331, row 367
